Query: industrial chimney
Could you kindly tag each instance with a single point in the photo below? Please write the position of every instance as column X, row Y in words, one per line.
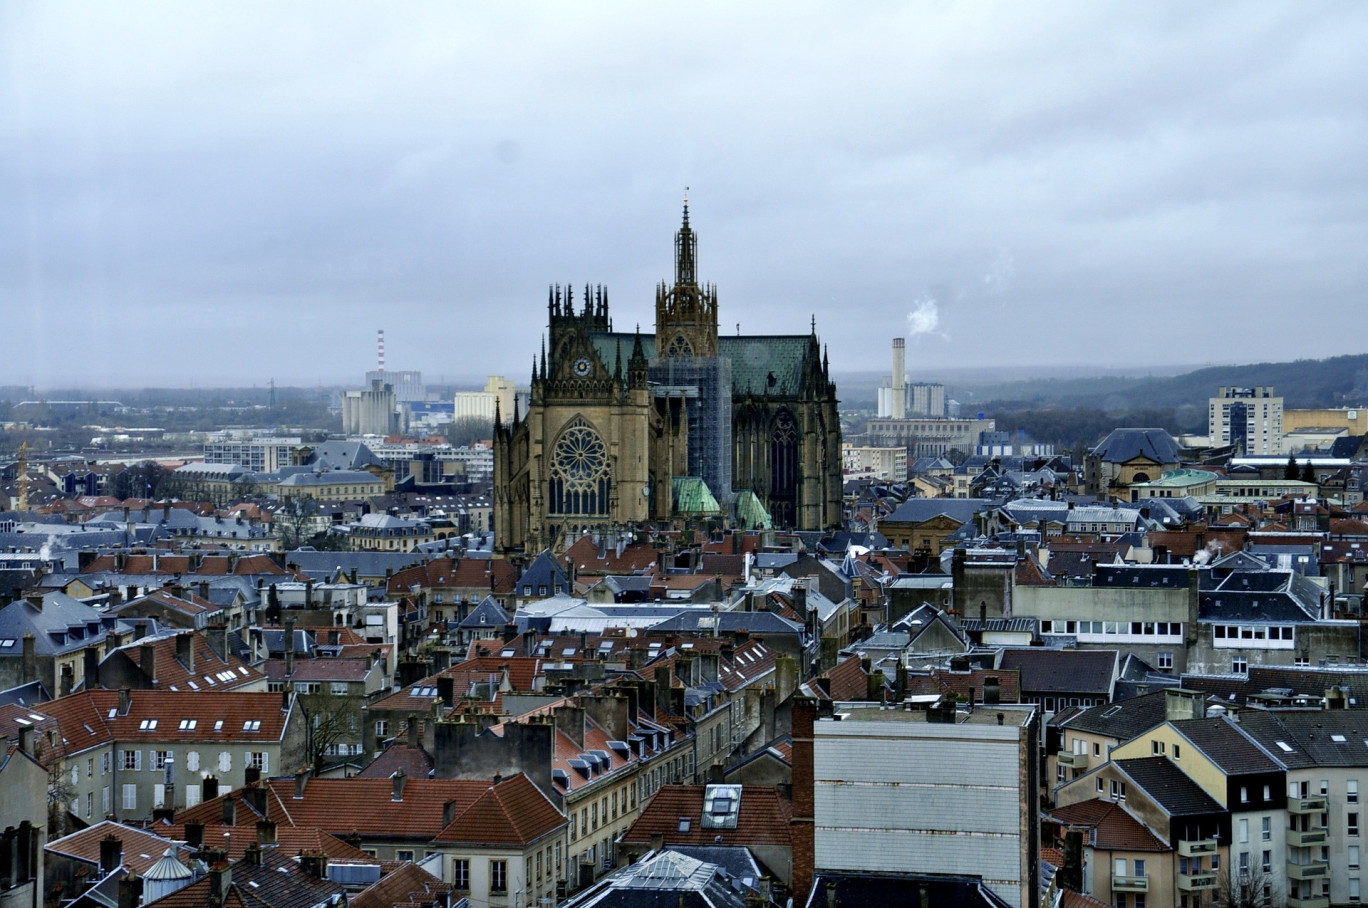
column 898, row 384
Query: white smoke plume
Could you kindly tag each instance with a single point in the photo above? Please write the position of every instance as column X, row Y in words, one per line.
column 924, row 319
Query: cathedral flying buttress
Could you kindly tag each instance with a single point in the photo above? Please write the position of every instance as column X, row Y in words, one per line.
column 683, row 427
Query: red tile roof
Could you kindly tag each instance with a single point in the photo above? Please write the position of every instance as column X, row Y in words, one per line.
column 141, row 848
column 513, row 812
column 366, row 806
column 763, row 818
column 92, row 717
column 1114, row 829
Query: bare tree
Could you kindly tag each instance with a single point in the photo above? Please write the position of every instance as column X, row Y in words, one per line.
column 334, row 720
column 294, row 521
column 1252, row 887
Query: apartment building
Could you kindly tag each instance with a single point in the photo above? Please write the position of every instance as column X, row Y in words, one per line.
column 129, row 752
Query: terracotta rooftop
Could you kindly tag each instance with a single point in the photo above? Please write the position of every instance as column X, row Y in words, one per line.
column 1113, row 828
column 512, row 812
column 141, row 848
column 366, row 806
column 763, row 818
column 89, row 718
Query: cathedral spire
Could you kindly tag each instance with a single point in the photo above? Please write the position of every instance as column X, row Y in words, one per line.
column 686, row 249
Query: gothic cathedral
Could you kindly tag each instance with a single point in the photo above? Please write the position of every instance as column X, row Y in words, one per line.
column 683, row 427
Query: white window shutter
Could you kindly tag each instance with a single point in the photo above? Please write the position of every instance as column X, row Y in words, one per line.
column 192, row 761
column 137, row 760
column 225, row 761
column 265, row 763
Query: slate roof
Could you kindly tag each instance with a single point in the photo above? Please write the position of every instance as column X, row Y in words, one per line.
column 1299, row 739
column 409, row 884
column 1063, row 671
column 900, row 889
column 1122, row 720
column 920, row 510
column 486, row 615
column 1124, row 445
column 278, row 882
column 1168, row 786
column 1221, row 740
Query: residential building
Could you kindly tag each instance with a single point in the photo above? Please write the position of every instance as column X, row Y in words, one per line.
column 127, row 753
column 1248, row 419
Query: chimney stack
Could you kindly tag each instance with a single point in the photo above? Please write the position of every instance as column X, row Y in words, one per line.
column 400, row 780
column 898, row 391
column 185, row 651
column 111, row 854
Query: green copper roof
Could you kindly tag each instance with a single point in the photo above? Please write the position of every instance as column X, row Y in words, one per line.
column 690, row 495
column 760, row 365
column 750, row 513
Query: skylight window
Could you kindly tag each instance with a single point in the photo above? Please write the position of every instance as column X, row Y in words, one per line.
column 147, row 725
column 218, row 725
column 252, row 725
column 1338, row 739
column 188, row 724
column 1284, row 746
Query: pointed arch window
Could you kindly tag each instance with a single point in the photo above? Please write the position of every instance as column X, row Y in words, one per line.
column 580, row 480
column 679, row 347
column 784, row 468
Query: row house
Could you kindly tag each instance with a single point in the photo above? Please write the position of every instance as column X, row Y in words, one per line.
column 45, row 638
column 1265, row 802
column 128, row 753
column 499, row 840
column 453, row 585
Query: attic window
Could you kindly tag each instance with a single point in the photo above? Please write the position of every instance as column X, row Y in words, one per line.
column 1284, row 746
column 147, row 725
column 7, row 642
column 508, row 652
column 1338, row 739
column 218, row 725
column 684, row 824
column 252, row 725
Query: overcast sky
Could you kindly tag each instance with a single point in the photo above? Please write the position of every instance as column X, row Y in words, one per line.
column 226, row 193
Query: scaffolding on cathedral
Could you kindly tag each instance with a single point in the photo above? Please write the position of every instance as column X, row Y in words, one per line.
column 704, row 382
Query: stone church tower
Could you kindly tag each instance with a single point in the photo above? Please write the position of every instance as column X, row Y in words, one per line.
column 625, row 430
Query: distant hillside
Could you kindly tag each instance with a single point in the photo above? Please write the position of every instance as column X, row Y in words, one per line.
column 1340, row 381
column 1079, row 411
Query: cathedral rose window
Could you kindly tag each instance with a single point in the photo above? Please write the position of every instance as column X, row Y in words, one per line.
column 579, row 472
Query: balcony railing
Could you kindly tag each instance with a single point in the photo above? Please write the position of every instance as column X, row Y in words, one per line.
column 1308, row 901
column 1130, row 884
column 1315, row 804
column 1196, row 848
column 1077, row 761
column 1302, row 838
column 1196, row 882
column 1313, row 870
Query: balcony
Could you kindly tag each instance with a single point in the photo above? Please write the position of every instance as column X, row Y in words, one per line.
column 1077, row 761
column 1197, row 882
column 1313, row 870
column 1196, row 848
column 1308, row 901
column 1314, row 804
column 1303, row 838
column 1130, row 883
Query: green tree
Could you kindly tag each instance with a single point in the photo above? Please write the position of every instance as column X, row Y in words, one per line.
column 1290, row 471
column 1308, row 474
